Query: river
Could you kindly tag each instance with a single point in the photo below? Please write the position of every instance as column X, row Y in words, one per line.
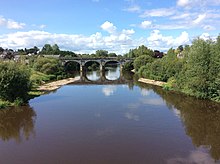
column 115, row 120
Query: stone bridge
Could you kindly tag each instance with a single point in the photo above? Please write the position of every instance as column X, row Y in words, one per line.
column 102, row 61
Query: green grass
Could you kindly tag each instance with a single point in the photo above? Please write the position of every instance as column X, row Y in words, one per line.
column 38, row 78
column 4, row 104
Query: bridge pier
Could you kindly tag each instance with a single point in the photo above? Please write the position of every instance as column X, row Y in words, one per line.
column 121, row 68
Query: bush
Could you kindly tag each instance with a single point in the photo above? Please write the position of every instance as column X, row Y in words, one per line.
column 128, row 66
column 47, row 65
column 141, row 61
column 4, row 104
column 14, row 81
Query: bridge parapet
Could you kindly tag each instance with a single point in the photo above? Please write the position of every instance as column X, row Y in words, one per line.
column 101, row 60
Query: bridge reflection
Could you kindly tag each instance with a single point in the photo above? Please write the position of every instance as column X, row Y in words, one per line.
column 114, row 77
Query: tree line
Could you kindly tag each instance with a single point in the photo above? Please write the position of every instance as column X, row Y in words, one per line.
column 49, row 49
column 194, row 70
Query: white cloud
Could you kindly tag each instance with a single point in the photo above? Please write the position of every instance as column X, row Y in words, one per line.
column 109, row 27
column 199, row 19
column 183, row 3
column 42, row 26
column 128, row 32
column 208, row 27
column 117, row 41
column 161, row 12
column 2, row 21
column 205, row 36
column 157, row 41
column 182, row 39
column 146, row 24
column 189, row 4
column 181, row 16
column 133, row 8
column 11, row 24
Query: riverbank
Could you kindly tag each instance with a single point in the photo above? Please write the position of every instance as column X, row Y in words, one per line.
column 55, row 84
column 152, row 82
column 40, row 90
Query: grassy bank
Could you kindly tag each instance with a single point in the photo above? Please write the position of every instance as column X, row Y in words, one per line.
column 37, row 79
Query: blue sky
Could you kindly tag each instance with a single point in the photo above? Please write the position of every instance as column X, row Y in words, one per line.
column 85, row 26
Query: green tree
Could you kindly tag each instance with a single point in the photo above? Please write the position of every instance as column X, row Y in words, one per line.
column 47, row 50
column 141, row 61
column 47, row 65
column 56, row 49
column 14, row 81
column 214, row 71
column 112, row 55
column 102, row 53
column 194, row 77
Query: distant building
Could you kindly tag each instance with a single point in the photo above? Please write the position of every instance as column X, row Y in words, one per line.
column 180, row 55
column 158, row 54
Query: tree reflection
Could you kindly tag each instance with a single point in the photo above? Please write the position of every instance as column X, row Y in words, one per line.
column 17, row 123
column 201, row 118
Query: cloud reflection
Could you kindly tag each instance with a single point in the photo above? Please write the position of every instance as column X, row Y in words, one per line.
column 145, row 92
column 153, row 101
column 109, row 90
column 132, row 116
column 199, row 156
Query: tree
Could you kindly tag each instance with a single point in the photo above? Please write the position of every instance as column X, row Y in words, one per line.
column 47, row 50
column 180, row 48
column 214, row 71
column 102, row 53
column 14, row 81
column 56, row 49
column 194, row 78
column 47, row 65
column 141, row 61
column 112, row 55
column 1, row 49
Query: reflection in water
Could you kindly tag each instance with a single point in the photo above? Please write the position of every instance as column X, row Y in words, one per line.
column 112, row 73
column 198, row 156
column 17, row 123
column 109, row 90
column 201, row 119
column 130, row 124
column 93, row 75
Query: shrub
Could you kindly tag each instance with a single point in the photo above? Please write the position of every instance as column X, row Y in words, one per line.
column 14, row 81
column 47, row 65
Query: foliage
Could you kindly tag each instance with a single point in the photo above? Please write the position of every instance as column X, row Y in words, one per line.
column 141, row 61
column 38, row 78
column 102, row 53
column 47, row 65
column 141, row 50
column 128, row 66
column 162, row 69
column 14, row 81
column 194, row 78
column 196, row 74
column 72, row 66
column 4, row 104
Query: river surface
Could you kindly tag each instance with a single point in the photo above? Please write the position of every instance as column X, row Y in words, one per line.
column 114, row 120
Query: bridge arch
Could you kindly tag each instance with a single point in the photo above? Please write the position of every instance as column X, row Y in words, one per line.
column 101, row 61
column 72, row 66
column 92, row 65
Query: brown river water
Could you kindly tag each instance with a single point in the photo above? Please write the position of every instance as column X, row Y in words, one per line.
column 111, row 122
